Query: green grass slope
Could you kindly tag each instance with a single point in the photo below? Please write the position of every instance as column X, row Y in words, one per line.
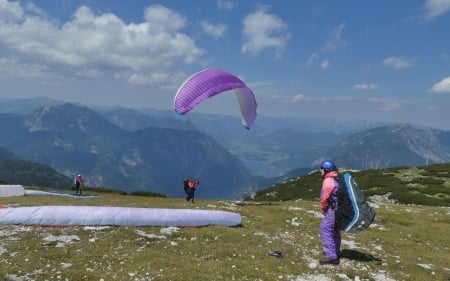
column 405, row 243
column 426, row 185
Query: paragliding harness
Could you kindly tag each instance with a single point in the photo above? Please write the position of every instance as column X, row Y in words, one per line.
column 189, row 187
column 353, row 213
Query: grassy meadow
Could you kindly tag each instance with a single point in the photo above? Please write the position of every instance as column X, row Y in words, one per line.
column 406, row 242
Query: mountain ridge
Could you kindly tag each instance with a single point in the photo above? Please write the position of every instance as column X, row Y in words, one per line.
column 390, row 146
column 132, row 150
column 77, row 140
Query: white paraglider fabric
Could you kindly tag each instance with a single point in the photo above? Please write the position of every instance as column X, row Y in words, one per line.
column 121, row 216
column 11, row 190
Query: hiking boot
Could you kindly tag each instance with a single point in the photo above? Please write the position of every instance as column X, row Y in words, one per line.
column 326, row 260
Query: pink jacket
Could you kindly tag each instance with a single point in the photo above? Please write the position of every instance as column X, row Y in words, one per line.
column 327, row 189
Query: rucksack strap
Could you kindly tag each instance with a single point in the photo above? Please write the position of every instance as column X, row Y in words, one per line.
column 333, row 199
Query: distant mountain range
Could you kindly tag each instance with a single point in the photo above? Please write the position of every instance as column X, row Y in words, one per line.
column 77, row 140
column 154, row 150
column 392, row 146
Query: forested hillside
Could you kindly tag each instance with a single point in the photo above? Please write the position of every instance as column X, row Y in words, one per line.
column 29, row 173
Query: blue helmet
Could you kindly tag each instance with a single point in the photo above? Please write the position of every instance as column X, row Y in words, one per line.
column 328, row 166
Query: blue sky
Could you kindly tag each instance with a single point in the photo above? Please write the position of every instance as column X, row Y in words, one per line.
column 357, row 59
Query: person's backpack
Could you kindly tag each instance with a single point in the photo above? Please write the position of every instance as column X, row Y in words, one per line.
column 353, row 213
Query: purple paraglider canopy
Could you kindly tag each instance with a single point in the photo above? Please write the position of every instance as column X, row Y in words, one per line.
column 210, row 82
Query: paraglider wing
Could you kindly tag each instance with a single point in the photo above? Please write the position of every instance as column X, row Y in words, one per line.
column 210, row 82
column 11, row 190
column 121, row 216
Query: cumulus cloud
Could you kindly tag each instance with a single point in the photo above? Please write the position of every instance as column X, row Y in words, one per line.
column 264, row 31
column 363, row 87
column 161, row 19
column 434, row 8
column 442, row 87
column 398, row 63
column 10, row 11
column 92, row 44
column 213, row 30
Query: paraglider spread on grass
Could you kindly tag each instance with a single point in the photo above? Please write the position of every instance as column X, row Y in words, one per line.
column 210, row 82
column 59, row 193
column 11, row 190
column 118, row 216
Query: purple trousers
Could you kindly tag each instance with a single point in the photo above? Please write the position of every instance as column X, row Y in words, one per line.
column 331, row 237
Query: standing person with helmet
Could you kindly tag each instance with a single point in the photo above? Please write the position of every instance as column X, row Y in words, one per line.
column 330, row 236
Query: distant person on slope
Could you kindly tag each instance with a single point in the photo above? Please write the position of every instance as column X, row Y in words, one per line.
column 330, row 236
column 78, row 183
column 189, row 187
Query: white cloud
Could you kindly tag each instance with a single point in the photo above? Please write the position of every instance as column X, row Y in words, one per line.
column 363, row 87
column 162, row 19
column 442, row 87
column 92, row 44
column 10, row 11
column 225, row 5
column 10, row 67
column 325, row 64
column 213, row 30
column 398, row 63
column 264, row 31
column 298, row 98
column 165, row 80
column 434, row 8
column 148, row 79
column 31, row 8
column 335, row 41
column 312, row 58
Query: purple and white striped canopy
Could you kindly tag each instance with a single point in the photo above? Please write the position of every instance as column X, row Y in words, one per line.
column 210, row 82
